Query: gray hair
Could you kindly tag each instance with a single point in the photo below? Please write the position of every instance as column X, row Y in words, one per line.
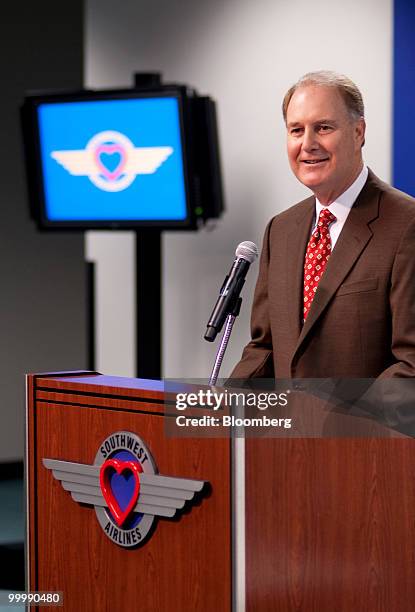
column 347, row 89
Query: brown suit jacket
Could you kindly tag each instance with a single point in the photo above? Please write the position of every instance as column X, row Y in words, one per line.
column 362, row 320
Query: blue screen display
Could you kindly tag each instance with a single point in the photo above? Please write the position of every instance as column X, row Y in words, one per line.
column 112, row 160
column 403, row 95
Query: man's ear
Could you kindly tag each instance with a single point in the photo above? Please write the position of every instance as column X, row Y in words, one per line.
column 360, row 131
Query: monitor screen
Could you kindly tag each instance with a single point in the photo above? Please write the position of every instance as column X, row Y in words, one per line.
column 122, row 158
column 112, row 160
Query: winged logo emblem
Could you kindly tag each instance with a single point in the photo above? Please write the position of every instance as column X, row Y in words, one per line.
column 111, row 161
column 125, row 488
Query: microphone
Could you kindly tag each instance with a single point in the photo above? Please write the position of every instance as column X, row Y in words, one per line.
column 246, row 252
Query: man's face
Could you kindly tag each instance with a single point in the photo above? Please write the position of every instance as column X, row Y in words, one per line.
column 323, row 141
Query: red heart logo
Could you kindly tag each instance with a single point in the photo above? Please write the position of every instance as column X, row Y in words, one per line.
column 106, row 471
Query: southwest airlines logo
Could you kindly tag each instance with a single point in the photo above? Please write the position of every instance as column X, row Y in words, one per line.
column 111, row 161
column 125, row 488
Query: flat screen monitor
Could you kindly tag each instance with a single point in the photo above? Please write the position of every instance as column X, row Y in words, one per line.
column 125, row 158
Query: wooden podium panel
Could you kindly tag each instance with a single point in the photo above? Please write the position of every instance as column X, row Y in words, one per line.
column 330, row 520
column 185, row 565
column 330, row 525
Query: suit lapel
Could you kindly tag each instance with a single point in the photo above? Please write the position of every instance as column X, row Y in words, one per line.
column 297, row 241
column 353, row 239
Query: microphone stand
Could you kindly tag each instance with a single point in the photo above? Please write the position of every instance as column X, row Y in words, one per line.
column 230, row 320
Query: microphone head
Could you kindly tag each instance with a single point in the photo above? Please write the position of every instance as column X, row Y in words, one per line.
column 247, row 250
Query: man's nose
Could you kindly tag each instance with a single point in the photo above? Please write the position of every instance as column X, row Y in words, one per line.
column 310, row 141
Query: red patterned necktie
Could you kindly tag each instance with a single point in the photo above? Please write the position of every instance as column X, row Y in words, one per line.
column 317, row 255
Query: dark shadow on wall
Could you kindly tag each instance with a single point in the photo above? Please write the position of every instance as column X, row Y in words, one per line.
column 12, row 576
column 43, row 311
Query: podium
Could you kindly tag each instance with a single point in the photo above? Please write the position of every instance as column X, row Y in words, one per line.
column 329, row 523
column 184, row 564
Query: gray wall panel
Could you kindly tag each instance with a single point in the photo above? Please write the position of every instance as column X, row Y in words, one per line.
column 43, row 281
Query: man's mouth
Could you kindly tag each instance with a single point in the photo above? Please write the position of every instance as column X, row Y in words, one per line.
column 314, row 161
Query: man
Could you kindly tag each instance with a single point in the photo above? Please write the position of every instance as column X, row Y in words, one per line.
column 335, row 295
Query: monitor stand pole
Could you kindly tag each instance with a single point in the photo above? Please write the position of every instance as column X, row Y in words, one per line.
column 149, row 303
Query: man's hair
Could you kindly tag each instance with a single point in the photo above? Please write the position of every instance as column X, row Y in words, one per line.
column 347, row 89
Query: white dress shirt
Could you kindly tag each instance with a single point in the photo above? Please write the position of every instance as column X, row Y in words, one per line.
column 342, row 206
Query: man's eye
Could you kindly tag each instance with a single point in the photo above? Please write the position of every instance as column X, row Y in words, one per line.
column 295, row 131
column 324, row 128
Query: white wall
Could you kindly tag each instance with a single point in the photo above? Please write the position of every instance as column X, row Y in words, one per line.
column 115, row 330
column 244, row 54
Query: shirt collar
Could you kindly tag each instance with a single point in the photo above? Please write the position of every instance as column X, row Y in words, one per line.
column 342, row 205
